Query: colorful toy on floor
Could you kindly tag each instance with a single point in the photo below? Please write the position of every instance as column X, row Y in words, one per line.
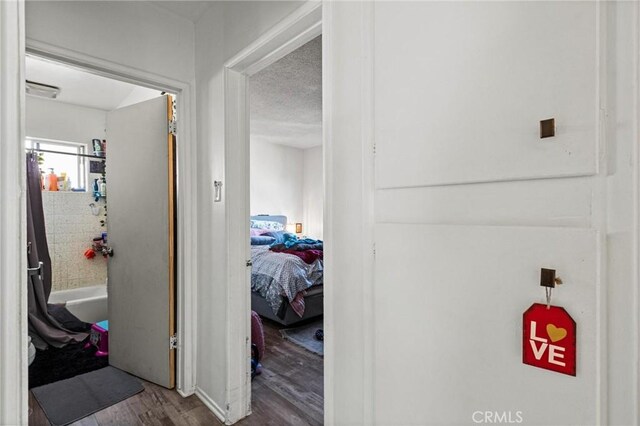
column 99, row 338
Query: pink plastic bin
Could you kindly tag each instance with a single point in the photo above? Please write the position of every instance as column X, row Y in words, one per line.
column 99, row 338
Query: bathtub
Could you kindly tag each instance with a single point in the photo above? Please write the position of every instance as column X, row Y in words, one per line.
column 89, row 304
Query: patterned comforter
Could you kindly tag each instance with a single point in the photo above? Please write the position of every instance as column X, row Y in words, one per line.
column 274, row 275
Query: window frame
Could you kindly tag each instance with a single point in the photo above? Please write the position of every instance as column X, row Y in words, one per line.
column 81, row 149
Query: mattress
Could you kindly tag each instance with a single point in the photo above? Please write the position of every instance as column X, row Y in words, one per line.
column 314, row 307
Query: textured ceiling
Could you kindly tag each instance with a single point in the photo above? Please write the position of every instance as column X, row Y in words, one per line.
column 286, row 99
column 85, row 89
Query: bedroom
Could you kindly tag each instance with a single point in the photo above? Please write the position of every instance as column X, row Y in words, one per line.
column 286, row 226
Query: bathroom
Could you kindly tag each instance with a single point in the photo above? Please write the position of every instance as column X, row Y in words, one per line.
column 68, row 111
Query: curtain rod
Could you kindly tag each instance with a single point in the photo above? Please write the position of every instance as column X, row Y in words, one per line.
column 64, row 153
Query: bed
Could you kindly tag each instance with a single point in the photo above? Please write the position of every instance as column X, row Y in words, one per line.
column 284, row 287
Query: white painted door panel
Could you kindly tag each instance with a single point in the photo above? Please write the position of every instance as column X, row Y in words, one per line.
column 448, row 323
column 460, row 88
column 140, row 290
column 544, row 202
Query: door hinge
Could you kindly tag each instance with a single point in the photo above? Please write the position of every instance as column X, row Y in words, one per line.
column 173, row 342
column 173, row 127
column 249, row 263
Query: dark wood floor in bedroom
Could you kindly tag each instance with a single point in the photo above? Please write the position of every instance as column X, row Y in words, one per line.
column 289, row 392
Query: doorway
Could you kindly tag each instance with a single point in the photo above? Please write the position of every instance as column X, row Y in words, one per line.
column 286, row 228
column 110, row 277
column 296, row 30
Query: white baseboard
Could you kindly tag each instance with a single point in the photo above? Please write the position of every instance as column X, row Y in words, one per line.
column 186, row 393
column 212, row 405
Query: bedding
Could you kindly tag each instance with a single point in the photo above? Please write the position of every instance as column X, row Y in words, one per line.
column 309, row 256
column 276, row 274
column 262, row 240
column 276, row 246
column 292, row 243
column 267, row 224
column 280, row 236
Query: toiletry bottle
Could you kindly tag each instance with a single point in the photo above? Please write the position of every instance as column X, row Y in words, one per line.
column 96, row 190
column 61, row 181
column 53, row 181
column 42, row 181
column 47, row 180
column 97, row 147
column 103, row 188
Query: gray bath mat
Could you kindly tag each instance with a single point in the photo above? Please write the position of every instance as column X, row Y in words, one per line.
column 72, row 399
column 305, row 336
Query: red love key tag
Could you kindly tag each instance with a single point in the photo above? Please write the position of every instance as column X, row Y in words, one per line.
column 549, row 339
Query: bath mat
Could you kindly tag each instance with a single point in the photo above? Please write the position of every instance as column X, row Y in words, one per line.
column 54, row 364
column 72, row 399
column 305, row 336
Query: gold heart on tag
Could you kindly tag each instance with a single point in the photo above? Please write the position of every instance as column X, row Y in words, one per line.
column 556, row 333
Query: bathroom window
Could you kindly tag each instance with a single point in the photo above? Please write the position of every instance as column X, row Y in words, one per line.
column 64, row 160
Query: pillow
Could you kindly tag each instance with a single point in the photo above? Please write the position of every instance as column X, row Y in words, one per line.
column 255, row 232
column 261, row 240
column 267, row 224
column 279, row 236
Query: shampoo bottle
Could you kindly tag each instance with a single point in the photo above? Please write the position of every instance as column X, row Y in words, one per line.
column 53, row 181
column 103, row 188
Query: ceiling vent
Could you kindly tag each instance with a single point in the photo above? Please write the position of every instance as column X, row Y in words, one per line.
column 43, row 90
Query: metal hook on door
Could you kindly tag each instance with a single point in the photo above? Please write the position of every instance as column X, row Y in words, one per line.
column 548, row 280
column 36, row 271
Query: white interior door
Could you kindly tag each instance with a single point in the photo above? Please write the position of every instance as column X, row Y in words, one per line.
column 140, row 202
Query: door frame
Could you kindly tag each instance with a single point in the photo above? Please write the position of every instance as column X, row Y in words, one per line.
column 295, row 30
column 186, row 179
column 13, row 262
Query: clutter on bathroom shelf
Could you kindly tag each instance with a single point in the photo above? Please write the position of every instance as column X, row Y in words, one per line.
column 53, row 182
column 99, row 147
column 99, row 246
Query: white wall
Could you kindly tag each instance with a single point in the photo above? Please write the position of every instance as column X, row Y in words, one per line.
column 276, row 180
column 288, row 181
column 221, row 32
column 313, row 193
column 132, row 33
column 49, row 119
column 457, row 265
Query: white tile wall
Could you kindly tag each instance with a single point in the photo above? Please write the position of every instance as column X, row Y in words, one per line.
column 71, row 228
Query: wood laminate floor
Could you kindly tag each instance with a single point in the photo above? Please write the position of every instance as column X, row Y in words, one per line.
column 288, row 392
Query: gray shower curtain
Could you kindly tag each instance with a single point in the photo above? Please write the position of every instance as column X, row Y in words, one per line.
column 43, row 328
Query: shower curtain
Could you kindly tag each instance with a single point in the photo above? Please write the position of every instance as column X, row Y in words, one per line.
column 44, row 329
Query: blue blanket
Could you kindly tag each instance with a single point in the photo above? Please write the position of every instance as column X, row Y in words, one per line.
column 291, row 241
